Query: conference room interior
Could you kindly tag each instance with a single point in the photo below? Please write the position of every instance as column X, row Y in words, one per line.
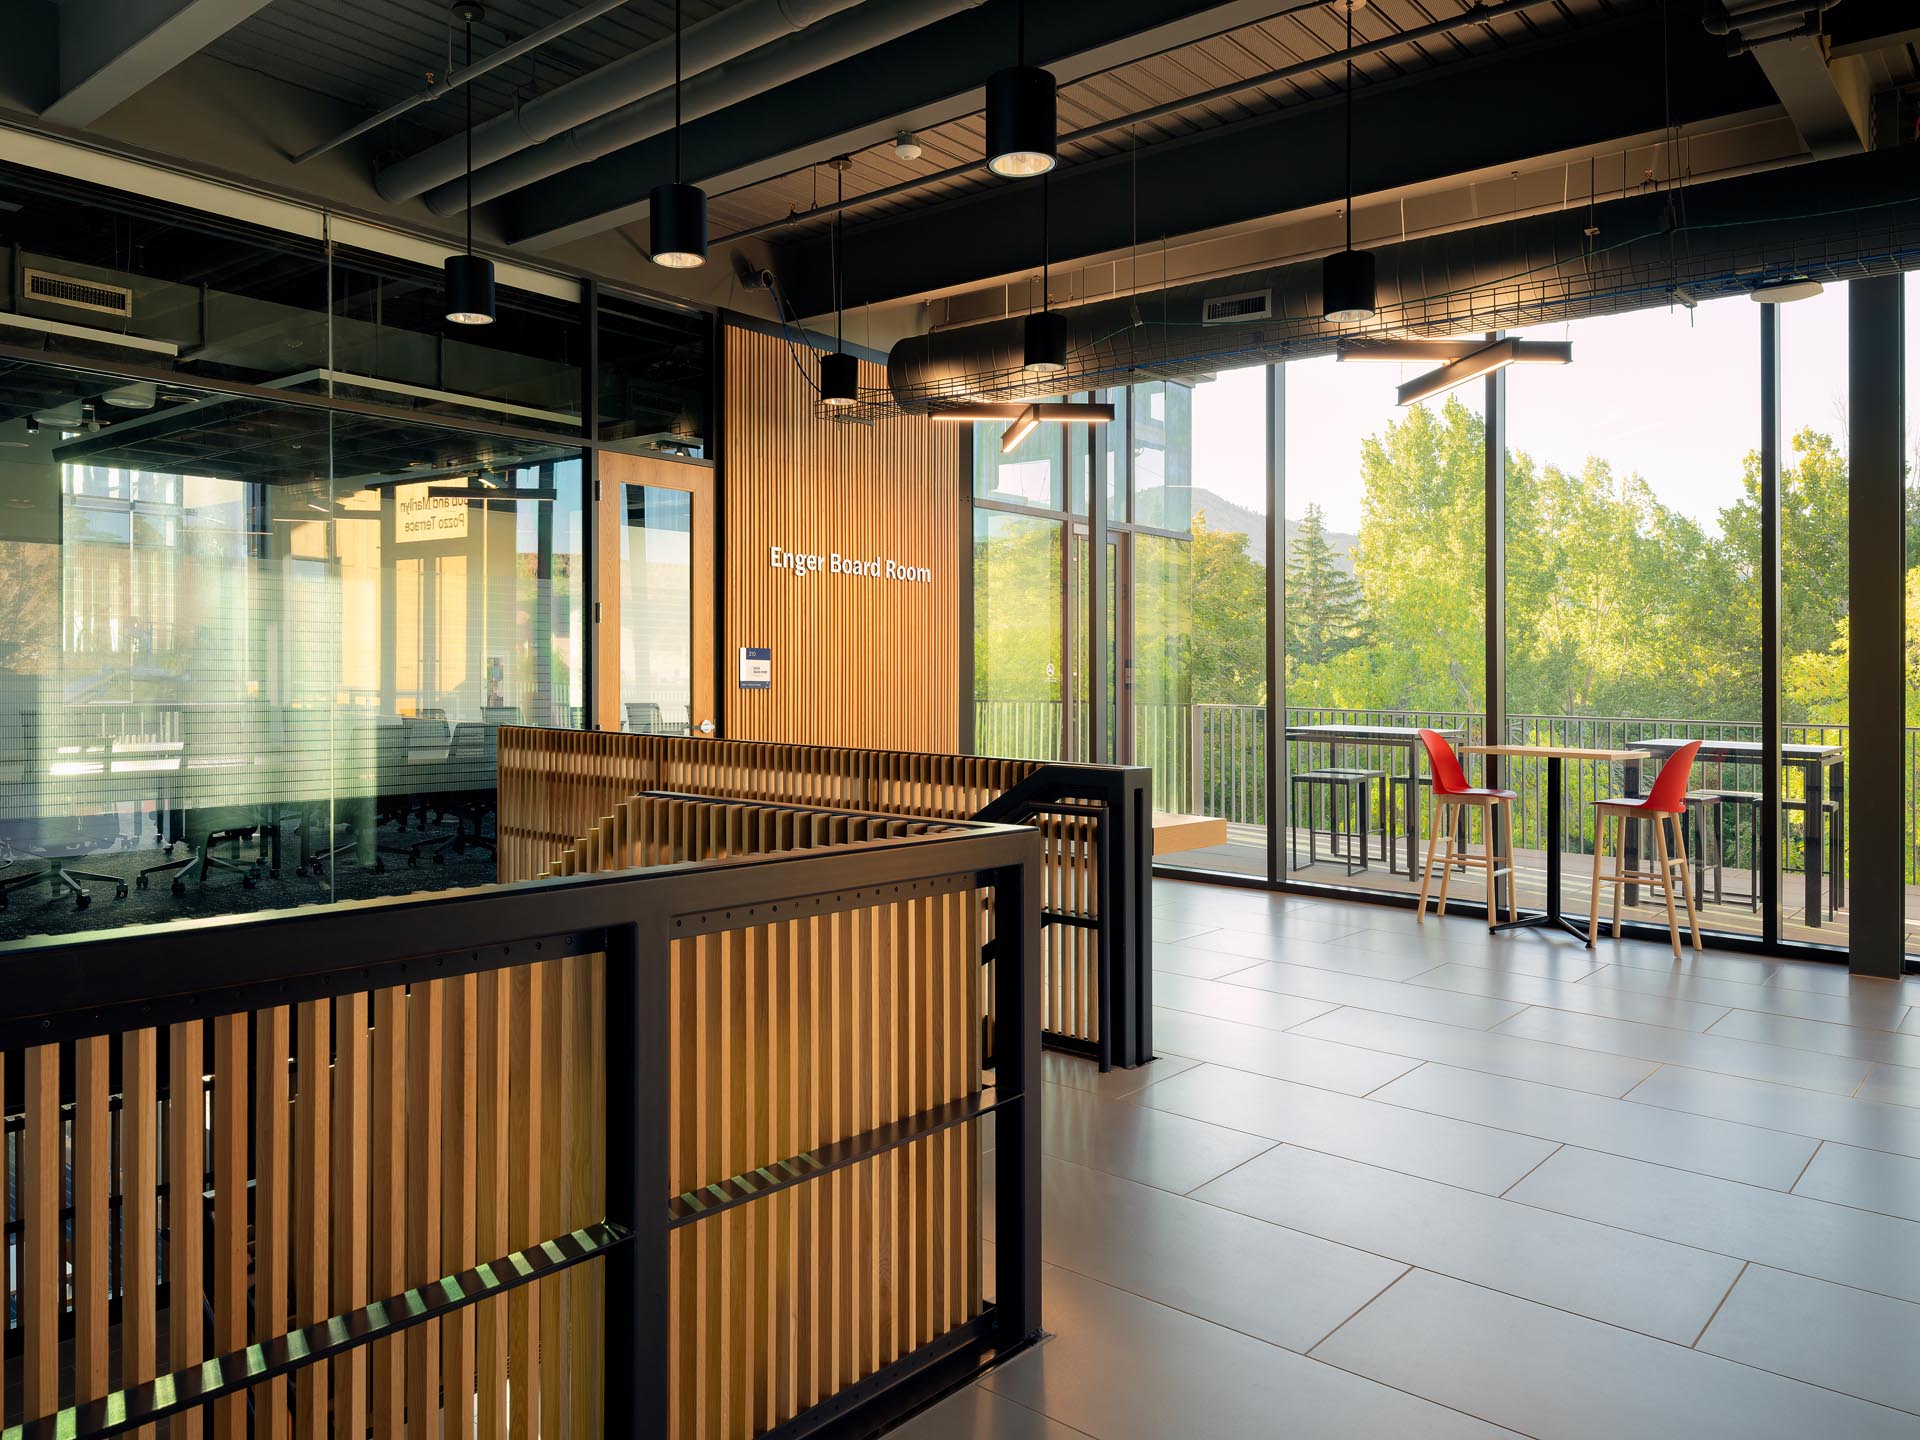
column 960, row 719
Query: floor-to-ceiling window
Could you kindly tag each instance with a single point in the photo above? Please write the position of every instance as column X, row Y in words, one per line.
column 1385, row 606
column 1633, row 591
column 1222, row 761
column 1814, row 548
column 1911, row 749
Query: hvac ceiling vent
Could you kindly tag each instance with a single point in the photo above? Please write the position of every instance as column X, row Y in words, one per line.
column 1234, row 309
column 51, row 289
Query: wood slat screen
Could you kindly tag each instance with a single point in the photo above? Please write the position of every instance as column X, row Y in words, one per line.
column 857, row 659
column 274, row 1167
column 557, row 785
column 787, row 1039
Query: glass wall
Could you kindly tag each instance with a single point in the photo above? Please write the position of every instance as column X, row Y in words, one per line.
column 1814, row 550
column 1633, row 595
column 1385, row 604
column 1223, row 762
column 281, row 550
column 1912, row 750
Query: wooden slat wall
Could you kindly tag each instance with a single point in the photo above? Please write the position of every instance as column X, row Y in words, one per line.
column 856, row 661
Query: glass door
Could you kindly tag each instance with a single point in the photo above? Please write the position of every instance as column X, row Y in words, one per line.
column 656, row 624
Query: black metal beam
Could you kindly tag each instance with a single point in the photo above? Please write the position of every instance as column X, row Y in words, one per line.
column 1876, row 677
column 1494, row 532
column 1494, row 110
column 1277, row 759
column 927, row 78
column 1770, row 619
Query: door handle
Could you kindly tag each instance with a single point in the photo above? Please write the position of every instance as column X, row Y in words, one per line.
column 706, row 727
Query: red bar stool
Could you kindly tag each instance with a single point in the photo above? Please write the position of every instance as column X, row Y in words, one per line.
column 1452, row 796
column 1664, row 804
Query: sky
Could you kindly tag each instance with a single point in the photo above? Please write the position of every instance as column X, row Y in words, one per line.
column 1671, row 395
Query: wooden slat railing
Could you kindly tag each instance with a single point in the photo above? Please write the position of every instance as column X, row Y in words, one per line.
column 555, row 786
column 689, row 1150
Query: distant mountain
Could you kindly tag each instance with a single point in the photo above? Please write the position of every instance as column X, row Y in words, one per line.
column 1223, row 514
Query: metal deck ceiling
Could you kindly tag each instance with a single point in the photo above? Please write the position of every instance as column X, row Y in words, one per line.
column 371, row 53
column 1234, row 55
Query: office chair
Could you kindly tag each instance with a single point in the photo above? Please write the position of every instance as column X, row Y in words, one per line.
column 28, row 765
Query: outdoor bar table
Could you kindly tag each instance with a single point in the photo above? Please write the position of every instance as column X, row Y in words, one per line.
column 1407, row 737
column 1553, row 755
column 1812, row 762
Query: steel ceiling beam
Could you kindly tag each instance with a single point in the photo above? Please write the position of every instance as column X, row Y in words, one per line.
column 1490, row 111
column 110, row 50
column 922, row 80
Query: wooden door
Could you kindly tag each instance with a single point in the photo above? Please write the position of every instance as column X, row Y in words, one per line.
column 657, row 600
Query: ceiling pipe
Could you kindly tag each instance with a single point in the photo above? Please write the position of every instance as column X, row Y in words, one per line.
column 714, row 41
column 838, row 38
column 1841, row 220
column 448, row 83
column 1480, row 13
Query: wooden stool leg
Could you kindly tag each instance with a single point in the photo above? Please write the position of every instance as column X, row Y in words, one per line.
column 1513, row 867
column 1619, row 867
column 1452, row 856
column 1433, row 851
column 1686, row 881
column 1664, row 874
column 1593, row 905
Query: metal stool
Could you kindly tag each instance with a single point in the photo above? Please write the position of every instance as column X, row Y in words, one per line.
column 1349, row 797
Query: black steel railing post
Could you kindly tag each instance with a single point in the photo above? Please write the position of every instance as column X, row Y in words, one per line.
column 638, row 1006
column 1017, row 1081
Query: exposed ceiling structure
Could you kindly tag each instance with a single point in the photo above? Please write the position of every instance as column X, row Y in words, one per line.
column 1181, row 122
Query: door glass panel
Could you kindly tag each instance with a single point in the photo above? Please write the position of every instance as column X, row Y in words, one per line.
column 1016, row 635
column 656, row 610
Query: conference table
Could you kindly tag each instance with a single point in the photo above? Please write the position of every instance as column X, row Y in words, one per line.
column 1554, row 755
column 1393, row 737
column 1813, row 762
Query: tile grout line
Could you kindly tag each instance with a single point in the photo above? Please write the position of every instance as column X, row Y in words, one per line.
column 1793, row 1188
column 1558, row 1147
column 1719, row 1307
column 1308, row 1352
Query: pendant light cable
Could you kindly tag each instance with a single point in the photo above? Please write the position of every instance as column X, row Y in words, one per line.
column 839, row 260
column 678, row 177
column 469, row 89
column 1349, row 109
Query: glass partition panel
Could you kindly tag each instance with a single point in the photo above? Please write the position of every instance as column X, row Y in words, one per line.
column 261, row 656
column 656, row 373
column 1017, row 662
column 656, row 610
column 391, row 344
column 1385, row 616
column 1633, row 598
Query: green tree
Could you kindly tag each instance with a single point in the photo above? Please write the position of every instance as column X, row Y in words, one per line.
column 1324, row 612
column 1228, row 655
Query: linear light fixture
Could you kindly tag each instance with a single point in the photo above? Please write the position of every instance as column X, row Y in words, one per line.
column 1020, row 429
column 1074, row 412
column 1030, row 416
column 1487, row 358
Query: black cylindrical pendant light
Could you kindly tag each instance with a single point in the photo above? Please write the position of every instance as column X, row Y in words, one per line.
column 1023, row 126
column 1046, row 343
column 840, row 372
column 1046, row 332
column 677, row 213
column 468, row 287
column 1346, row 278
column 1022, row 122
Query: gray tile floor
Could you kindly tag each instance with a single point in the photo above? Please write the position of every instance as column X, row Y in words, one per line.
column 1400, row 1180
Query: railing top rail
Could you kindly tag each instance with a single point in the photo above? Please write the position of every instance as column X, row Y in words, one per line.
column 155, row 974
